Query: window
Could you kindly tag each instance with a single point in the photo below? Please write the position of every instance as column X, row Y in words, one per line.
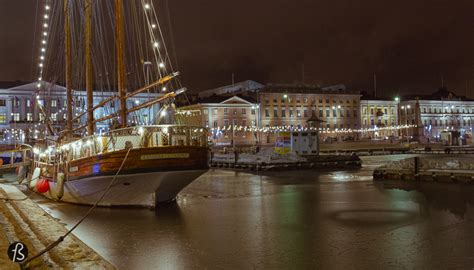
column 291, row 113
column 235, row 122
column 305, row 100
column 16, row 102
column 206, row 111
column 16, row 117
column 328, row 112
column 320, row 113
column 385, row 111
column 283, row 113
column 298, row 113
column 334, row 113
column 214, row 111
column 29, row 117
column 355, row 113
column 54, row 116
column 275, row 113
column 28, row 103
column 244, row 111
column 2, row 103
column 267, row 113
column 112, row 104
column 341, row 113
column 320, row 100
column 226, row 111
column 244, row 122
column 54, row 103
column 214, row 124
column 226, row 122
column 235, row 111
column 3, row 118
column 253, row 111
column 305, row 113
column 298, row 100
column 372, row 122
column 372, row 111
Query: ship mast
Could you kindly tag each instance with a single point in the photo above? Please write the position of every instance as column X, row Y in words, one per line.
column 67, row 45
column 120, row 44
column 89, row 77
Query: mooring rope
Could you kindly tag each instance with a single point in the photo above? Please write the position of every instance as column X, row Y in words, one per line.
column 61, row 238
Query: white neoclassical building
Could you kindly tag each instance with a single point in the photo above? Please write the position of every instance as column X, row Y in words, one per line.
column 443, row 111
column 20, row 110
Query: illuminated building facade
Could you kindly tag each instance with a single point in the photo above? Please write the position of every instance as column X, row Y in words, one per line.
column 293, row 105
column 441, row 111
column 19, row 109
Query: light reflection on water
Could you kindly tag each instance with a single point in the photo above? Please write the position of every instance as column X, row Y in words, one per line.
column 288, row 220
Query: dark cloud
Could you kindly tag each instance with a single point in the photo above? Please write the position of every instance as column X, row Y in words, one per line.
column 408, row 44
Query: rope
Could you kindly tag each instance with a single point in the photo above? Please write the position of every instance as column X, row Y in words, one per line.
column 61, row 238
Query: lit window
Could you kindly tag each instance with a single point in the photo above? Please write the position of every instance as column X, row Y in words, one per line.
column 3, row 118
column 54, row 103
column 16, row 117
column 29, row 117
column 54, row 116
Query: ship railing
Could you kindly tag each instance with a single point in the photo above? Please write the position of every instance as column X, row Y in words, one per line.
column 135, row 137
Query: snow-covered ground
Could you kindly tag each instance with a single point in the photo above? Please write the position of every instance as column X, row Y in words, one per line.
column 434, row 163
column 22, row 220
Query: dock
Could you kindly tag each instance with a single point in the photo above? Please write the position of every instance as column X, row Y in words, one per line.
column 429, row 169
column 23, row 220
column 313, row 162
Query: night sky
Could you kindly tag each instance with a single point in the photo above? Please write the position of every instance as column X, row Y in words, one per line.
column 409, row 44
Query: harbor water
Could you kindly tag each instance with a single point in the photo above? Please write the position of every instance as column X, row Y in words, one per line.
column 287, row 220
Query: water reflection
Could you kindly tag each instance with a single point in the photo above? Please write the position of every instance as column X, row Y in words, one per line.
column 456, row 198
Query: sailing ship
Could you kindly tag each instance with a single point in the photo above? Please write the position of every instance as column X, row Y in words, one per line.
column 137, row 163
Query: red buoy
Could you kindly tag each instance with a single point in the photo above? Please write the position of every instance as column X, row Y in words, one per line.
column 42, row 185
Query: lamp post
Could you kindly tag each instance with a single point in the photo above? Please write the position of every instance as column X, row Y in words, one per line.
column 406, row 120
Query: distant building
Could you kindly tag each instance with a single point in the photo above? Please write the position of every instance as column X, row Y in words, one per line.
column 19, row 108
column 228, row 114
column 376, row 113
column 438, row 112
column 293, row 105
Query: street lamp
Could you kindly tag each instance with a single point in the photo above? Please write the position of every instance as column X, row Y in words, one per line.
column 406, row 120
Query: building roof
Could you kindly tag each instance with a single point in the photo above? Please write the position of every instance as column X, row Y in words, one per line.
column 220, row 99
column 239, row 87
column 441, row 94
column 307, row 89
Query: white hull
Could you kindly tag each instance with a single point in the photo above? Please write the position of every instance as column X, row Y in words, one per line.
column 144, row 189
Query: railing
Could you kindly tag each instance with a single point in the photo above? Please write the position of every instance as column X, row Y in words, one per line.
column 134, row 137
